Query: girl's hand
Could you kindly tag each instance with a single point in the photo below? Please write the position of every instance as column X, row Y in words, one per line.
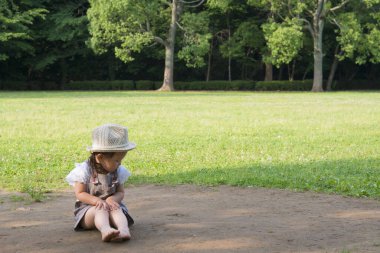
column 113, row 205
column 101, row 204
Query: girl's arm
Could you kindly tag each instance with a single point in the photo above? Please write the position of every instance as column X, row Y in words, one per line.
column 116, row 198
column 83, row 196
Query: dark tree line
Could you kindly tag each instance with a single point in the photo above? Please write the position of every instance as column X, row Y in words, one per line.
column 47, row 43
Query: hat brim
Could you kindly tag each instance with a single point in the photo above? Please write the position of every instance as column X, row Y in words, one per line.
column 129, row 146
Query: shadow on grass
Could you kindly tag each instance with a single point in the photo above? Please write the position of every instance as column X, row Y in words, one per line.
column 359, row 177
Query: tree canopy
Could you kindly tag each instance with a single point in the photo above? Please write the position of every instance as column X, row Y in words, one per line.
column 15, row 23
column 130, row 26
column 55, row 42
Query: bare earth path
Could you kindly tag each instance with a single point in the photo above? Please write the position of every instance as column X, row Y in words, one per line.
column 201, row 219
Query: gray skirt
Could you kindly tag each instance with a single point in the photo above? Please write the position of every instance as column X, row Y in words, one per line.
column 81, row 209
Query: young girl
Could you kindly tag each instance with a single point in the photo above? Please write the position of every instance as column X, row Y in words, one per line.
column 98, row 184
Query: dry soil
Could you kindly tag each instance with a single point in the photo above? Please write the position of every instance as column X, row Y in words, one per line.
column 190, row 218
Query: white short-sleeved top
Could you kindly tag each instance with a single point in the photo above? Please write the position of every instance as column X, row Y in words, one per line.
column 82, row 173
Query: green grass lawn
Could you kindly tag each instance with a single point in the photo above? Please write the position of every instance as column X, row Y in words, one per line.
column 327, row 142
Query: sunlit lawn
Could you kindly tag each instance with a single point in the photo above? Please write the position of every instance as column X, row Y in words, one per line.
column 327, row 142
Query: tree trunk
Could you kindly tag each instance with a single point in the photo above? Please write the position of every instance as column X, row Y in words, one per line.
column 29, row 77
column 30, row 72
column 353, row 73
column 209, row 61
column 280, row 69
column 318, row 53
column 168, row 73
column 334, row 66
column 318, row 73
column 305, row 73
column 291, row 70
column 63, row 67
column 268, row 72
column 167, row 84
column 229, row 53
column 111, row 67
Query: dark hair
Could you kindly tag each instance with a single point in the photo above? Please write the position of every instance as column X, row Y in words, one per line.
column 97, row 167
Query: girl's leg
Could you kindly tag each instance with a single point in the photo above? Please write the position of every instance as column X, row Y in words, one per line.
column 100, row 218
column 118, row 220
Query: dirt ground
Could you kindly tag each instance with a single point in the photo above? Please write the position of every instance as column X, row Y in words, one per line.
column 200, row 219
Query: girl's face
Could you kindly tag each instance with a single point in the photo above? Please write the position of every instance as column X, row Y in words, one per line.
column 111, row 163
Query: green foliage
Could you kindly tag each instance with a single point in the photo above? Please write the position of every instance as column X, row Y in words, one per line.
column 101, row 85
column 151, row 85
column 284, row 40
column 132, row 44
column 283, row 32
column 16, row 198
column 236, row 85
column 215, row 85
column 43, row 61
column 219, row 4
column 350, row 37
column 144, row 85
column 371, row 3
column 357, row 85
column 67, row 22
column 373, row 39
column 15, row 31
column 304, row 85
column 246, row 40
column 130, row 26
column 195, row 39
column 35, row 192
column 113, row 85
column 44, row 39
column 358, row 34
column 246, row 85
column 62, row 34
column 124, row 25
column 13, row 85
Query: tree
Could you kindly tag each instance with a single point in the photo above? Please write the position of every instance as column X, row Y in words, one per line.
column 15, row 31
column 284, row 41
column 357, row 35
column 246, row 36
column 245, row 44
column 129, row 26
column 61, row 36
column 226, row 7
column 195, row 41
column 295, row 15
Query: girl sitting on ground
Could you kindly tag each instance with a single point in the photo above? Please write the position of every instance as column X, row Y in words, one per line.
column 99, row 185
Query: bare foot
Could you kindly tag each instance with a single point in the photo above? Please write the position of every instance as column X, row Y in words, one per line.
column 124, row 235
column 109, row 234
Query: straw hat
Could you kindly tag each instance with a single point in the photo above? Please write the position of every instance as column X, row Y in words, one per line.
column 110, row 138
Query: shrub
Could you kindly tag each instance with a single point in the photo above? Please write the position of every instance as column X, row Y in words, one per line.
column 282, row 85
column 241, row 85
column 356, row 85
column 78, row 85
column 122, row 85
column 100, row 85
column 157, row 84
column 13, row 85
column 236, row 85
column 180, row 85
column 144, row 85
column 215, row 85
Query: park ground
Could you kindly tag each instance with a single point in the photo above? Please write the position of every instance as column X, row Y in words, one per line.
column 322, row 150
column 188, row 218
